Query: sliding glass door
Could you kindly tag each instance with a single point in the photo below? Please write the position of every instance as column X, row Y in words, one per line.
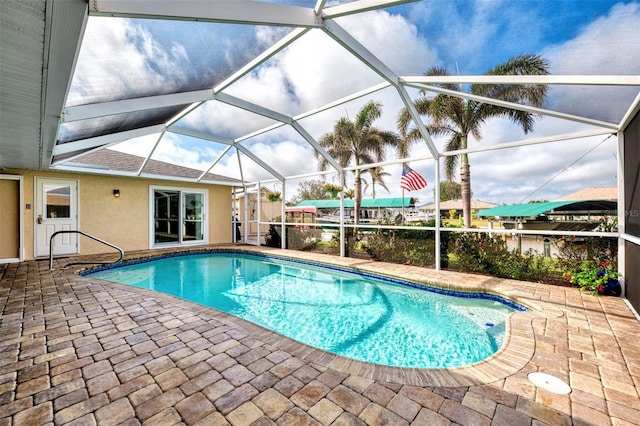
column 178, row 216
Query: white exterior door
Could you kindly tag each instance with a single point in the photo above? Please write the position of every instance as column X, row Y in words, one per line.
column 56, row 209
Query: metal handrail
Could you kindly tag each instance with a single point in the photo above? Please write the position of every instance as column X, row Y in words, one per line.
column 83, row 263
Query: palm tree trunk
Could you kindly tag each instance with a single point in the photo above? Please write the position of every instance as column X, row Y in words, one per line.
column 357, row 197
column 465, row 189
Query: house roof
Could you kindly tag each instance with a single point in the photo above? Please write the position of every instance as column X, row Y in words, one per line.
column 594, row 193
column 457, row 205
column 394, row 202
column 134, row 165
column 585, row 207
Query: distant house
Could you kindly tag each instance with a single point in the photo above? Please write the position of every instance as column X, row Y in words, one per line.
column 263, row 207
column 608, row 193
column 447, row 206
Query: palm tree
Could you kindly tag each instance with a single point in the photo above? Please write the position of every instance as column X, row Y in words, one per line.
column 456, row 117
column 349, row 193
column 377, row 177
column 355, row 143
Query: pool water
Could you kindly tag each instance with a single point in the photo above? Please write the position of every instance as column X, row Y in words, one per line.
column 357, row 316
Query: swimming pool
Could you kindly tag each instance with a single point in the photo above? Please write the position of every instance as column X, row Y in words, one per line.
column 359, row 316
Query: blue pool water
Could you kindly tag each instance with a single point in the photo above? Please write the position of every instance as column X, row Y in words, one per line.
column 354, row 315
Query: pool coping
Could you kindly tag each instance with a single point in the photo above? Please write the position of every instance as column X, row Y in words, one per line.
column 516, row 351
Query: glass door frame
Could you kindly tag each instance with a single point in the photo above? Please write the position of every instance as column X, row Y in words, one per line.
column 182, row 219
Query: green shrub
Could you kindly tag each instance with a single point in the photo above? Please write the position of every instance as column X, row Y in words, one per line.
column 529, row 266
column 487, row 254
column 479, row 252
column 415, row 247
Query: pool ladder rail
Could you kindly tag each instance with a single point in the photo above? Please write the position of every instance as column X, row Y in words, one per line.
column 95, row 262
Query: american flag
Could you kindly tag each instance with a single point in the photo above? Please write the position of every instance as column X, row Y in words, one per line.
column 411, row 180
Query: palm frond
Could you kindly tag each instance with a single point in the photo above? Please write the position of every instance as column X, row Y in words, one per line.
column 439, row 71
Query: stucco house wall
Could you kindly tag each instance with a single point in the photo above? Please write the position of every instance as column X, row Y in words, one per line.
column 123, row 221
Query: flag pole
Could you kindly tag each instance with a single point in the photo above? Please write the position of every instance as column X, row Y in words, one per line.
column 403, row 204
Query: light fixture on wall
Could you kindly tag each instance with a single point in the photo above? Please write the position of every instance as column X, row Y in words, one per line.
column 116, row 193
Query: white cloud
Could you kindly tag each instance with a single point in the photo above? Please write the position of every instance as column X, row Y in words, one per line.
column 315, row 70
column 286, row 157
column 148, row 65
column 219, row 119
column 545, row 171
column 393, row 40
column 608, row 46
column 172, row 149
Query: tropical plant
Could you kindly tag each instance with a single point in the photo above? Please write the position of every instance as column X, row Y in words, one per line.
column 457, row 117
column 274, row 196
column 332, row 189
column 355, row 143
column 377, row 177
column 593, row 277
column 349, row 193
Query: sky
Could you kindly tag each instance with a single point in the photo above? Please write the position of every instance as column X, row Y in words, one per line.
column 125, row 58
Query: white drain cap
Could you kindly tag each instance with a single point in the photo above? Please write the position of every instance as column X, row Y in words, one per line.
column 549, row 383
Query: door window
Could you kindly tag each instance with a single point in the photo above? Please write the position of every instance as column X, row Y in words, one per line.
column 167, row 218
column 193, row 217
column 57, row 201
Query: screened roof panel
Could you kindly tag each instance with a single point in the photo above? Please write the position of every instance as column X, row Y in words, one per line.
column 604, row 103
column 291, row 153
column 195, row 153
column 123, row 58
column 312, row 72
column 393, row 39
column 220, row 119
column 316, row 124
column 567, row 106
column 547, row 171
column 83, row 129
column 273, row 77
column 143, row 145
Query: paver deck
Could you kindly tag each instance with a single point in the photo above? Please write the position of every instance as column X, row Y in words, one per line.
column 77, row 350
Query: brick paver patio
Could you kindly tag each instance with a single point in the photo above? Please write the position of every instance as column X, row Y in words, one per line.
column 76, row 350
